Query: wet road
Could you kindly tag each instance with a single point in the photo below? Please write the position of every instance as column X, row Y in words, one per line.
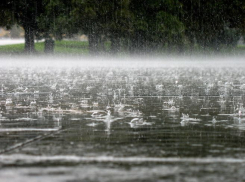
column 73, row 149
column 177, row 124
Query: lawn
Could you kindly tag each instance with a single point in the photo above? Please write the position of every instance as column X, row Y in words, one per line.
column 61, row 47
column 81, row 48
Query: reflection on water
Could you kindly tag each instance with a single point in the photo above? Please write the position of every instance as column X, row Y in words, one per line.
column 132, row 116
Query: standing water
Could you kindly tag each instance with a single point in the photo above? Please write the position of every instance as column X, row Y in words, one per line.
column 121, row 121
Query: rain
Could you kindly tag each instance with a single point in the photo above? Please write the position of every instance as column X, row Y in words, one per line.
column 122, row 90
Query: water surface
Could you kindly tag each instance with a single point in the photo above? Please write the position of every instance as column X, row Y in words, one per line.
column 122, row 123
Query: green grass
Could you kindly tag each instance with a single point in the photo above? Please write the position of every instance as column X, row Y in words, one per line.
column 61, row 47
column 81, row 48
column 241, row 47
column 17, row 48
column 71, row 47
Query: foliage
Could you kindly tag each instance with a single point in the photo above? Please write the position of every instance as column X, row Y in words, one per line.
column 55, row 21
column 134, row 26
column 213, row 23
column 25, row 14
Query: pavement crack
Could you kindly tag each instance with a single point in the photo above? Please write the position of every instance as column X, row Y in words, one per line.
column 22, row 144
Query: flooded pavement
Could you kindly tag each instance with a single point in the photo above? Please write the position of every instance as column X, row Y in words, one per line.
column 122, row 124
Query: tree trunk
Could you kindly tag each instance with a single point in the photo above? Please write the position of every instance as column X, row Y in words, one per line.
column 29, row 40
column 115, row 44
column 93, row 44
column 136, row 46
column 49, row 46
column 192, row 44
column 170, row 47
column 102, row 41
column 180, row 44
column 130, row 42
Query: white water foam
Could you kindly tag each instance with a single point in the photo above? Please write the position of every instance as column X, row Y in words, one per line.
column 29, row 159
column 27, row 129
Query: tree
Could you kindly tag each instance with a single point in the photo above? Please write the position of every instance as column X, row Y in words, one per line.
column 25, row 14
column 54, row 22
column 6, row 16
column 155, row 24
column 88, row 16
column 118, row 24
column 212, row 24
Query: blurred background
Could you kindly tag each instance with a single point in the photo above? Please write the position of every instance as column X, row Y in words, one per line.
column 123, row 27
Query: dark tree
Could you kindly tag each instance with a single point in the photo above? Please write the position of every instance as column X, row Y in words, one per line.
column 55, row 22
column 156, row 24
column 88, row 16
column 25, row 14
column 213, row 24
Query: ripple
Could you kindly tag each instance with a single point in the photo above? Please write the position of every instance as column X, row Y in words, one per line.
column 29, row 159
column 28, row 129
